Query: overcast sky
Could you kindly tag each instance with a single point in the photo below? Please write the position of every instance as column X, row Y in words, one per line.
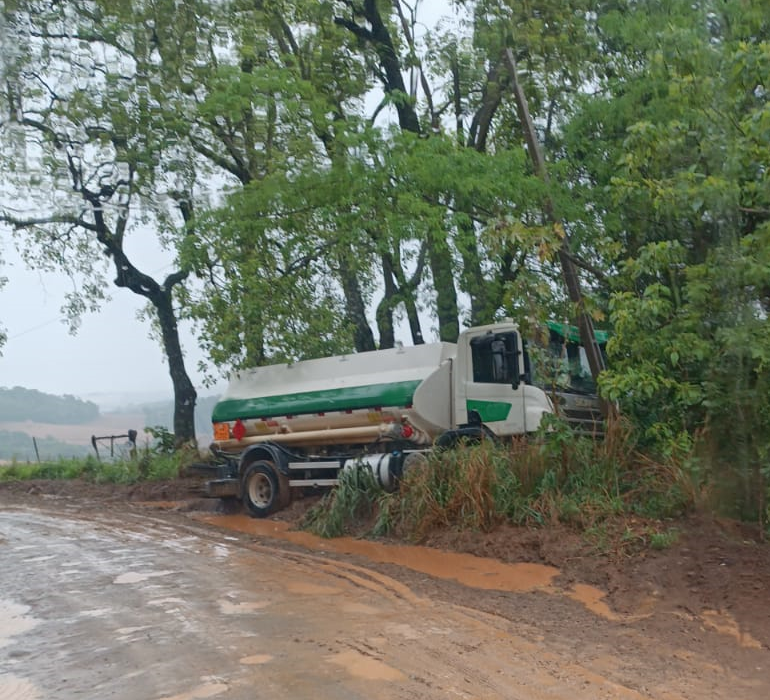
column 111, row 355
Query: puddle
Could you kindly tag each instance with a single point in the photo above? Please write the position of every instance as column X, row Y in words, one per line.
column 593, row 599
column 131, row 630
column 724, row 623
column 15, row 688
column 136, row 577
column 14, row 620
column 45, row 557
column 229, row 608
column 362, row 666
column 221, row 551
column 467, row 569
column 257, row 659
column 167, row 601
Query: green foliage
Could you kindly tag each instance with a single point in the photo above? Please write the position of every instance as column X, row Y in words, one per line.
column 355, row 499
column 18, row 404
column 663, row 539
column 164, row 440
column 314, row 212
column 557, row 478
column 152, row 468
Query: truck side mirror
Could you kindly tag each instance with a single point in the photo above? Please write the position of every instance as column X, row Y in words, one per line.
column 515, row 381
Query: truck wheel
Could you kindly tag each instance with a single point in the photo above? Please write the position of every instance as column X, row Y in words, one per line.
column 264, row 490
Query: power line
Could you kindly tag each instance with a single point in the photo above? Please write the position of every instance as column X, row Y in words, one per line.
column 34, row 328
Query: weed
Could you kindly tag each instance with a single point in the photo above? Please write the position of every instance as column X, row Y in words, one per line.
column 354, row 500
column 663, row 540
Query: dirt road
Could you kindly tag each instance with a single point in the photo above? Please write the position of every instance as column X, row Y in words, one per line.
column 138, row 602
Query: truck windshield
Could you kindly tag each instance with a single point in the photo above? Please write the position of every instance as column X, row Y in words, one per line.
column 561, row 364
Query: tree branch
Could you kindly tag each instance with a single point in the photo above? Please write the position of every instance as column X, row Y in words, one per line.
column 18, row 223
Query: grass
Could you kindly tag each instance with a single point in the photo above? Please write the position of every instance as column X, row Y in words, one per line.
column 355, row 500
column 556, row 478
column 148, row 467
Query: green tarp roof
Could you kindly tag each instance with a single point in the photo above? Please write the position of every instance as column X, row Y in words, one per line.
column 572, row 333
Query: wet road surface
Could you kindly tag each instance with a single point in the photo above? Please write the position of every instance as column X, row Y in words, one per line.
column 132, row 606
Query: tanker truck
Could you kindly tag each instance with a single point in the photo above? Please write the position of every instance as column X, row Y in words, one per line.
column 284, row 427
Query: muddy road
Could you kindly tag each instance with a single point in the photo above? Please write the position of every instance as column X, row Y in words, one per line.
column 139, row 602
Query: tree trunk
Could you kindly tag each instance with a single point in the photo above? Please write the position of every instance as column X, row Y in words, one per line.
column 184, row 391
column 440, row 256
column 446, row 296
column 160, row 296
column 356, row 307
column 385, row 307
column 472, row 278
column 569, row 269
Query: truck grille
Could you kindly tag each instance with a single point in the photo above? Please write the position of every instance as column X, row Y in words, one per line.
column 583, row 413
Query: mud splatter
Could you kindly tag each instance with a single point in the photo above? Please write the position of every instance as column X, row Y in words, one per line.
column 724, row 623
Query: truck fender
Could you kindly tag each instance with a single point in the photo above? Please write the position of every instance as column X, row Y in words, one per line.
column 473, row 433
column 265, row 451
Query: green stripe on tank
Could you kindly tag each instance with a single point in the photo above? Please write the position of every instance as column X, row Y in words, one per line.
column 349, row 398
column 489, row 410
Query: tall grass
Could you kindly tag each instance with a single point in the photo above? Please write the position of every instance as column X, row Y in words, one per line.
column 557, row 477
column 355, row 501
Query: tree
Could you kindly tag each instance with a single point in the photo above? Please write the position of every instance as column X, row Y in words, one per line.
column 91, row 158
column 677, row 137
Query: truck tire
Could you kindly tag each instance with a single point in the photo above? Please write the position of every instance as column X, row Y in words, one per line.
column 264, row 489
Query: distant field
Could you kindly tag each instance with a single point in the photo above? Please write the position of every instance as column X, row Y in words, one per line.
column 108, row 424
column 53, row 439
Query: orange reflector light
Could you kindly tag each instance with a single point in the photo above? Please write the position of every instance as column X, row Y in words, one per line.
column 221, row 431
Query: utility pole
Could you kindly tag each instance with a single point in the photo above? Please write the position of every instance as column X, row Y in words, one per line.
column 569, row 269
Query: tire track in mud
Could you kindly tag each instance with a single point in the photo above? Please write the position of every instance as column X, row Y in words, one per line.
column 494, row 682
column 447, row 648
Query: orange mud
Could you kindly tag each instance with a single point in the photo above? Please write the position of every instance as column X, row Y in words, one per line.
column 467, row 569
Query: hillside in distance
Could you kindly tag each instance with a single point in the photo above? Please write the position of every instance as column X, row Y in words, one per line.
column 63, row 426
column 20, row 404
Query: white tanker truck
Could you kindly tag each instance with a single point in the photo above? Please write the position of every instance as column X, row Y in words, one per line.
column 291, row 426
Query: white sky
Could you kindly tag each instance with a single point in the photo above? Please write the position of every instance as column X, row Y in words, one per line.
column 110, row 355
column 111, row 360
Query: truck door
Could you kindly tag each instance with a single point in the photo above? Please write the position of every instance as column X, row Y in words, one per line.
column 492, row 382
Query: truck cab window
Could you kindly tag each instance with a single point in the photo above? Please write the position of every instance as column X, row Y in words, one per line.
column 494, row 358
